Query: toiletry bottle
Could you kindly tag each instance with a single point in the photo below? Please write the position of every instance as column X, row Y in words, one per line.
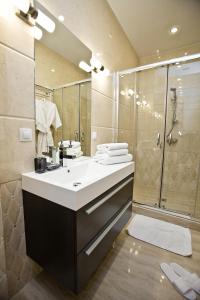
column 61, row 153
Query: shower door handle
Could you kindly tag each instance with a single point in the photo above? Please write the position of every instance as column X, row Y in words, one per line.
column 158, row 140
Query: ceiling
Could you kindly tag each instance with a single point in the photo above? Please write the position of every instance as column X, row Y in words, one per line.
column 147, row 22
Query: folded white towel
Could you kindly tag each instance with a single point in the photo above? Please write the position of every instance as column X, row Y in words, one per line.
column 111, row 160
column 74, row 144
column 113, row 152
column 112, row 146
column 73, row 151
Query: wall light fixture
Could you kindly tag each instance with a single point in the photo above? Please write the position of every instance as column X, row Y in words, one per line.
column 32, row 16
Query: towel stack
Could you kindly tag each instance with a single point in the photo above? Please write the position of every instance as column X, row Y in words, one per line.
column 73, row 148
column 113, row 153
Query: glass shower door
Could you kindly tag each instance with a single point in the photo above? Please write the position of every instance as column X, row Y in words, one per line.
column 181, row 172
column 150, row 102
column 70, row 113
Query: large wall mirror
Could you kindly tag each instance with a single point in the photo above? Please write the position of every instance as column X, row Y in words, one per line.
column 62, row 89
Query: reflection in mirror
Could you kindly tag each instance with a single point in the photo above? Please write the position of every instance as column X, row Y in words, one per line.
column 62, row 90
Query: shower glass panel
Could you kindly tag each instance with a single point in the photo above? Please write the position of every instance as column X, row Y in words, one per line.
column 150, row 98
column 70, row 113
column 181, row 172
column 85, row 117
column 126, row 112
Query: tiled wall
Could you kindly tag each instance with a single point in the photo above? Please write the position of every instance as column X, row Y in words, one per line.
column 16, row 111
column 103, row 111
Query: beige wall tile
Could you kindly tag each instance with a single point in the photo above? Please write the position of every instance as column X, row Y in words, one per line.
column 103, row 109
column 104, row 85
column 13, row 31
column 104, row 135
column 20, row 269
column 124, row 117
column 16, row 84
column 15, row 157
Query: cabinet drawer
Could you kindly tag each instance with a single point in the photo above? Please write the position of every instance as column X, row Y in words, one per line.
column 91, row 256
column 94, row 216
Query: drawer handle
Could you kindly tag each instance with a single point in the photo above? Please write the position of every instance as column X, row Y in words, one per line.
column 107, row 197
column 104, row 233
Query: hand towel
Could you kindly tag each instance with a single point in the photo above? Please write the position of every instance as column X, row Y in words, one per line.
column 117, row 152
column 73, row 151
column 74, row 144
column 116, row 159
column 112, row 146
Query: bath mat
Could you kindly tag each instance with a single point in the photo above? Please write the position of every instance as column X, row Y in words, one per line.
column 162, row 234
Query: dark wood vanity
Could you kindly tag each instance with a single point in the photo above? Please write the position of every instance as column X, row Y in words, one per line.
column 71, row 244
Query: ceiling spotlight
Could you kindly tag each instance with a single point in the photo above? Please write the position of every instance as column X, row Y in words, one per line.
column 174, row 29
column 178, row 79
column 122, row 92
column 52, row 70
column 61, row 18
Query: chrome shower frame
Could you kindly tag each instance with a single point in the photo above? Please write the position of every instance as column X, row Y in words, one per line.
column 166, row 63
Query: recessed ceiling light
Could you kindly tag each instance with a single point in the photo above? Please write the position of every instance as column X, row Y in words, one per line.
column 178, row 79
column 174, row 29
column 185, row 53
column 61, row 18
column 52, row 70
column 122, row 92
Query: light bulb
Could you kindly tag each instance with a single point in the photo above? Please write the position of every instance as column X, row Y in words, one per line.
column 37, row 33
column 174, row 30
column 84, row 66
column 105, row 72
column 61, row 18
column 22, row 5
column 45, row 22
column 95, row 63
column 131, row 92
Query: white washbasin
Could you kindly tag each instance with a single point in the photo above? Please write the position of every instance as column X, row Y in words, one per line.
column 60, row 186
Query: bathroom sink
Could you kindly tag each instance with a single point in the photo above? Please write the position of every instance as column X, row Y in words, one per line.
column 77, row 184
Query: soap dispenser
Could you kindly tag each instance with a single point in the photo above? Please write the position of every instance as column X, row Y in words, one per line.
column 61, row 148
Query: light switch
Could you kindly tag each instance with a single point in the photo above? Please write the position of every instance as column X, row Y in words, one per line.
column 25, row 134
column 94, row 135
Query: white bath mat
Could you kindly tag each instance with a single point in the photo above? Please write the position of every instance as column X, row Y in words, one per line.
column 162, row 234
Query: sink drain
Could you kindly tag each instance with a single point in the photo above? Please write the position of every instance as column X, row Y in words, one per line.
column 76, row 183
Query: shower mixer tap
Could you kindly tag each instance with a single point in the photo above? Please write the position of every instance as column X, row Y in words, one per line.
column 169, row 138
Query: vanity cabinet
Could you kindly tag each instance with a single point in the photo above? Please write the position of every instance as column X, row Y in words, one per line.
column 71, row 244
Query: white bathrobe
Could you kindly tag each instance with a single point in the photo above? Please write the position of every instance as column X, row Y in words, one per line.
column 46, row 116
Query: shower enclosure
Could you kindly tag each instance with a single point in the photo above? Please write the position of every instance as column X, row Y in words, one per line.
column 74, row 106
column 163, row 130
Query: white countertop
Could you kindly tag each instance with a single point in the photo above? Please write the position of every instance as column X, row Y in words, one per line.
column 58, row 185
